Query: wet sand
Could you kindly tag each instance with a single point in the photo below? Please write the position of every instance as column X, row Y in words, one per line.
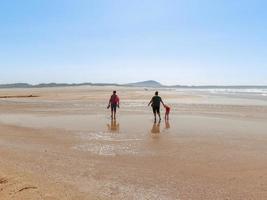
column 63, row 145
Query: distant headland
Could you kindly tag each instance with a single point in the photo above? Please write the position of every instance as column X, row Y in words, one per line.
column 149, row 83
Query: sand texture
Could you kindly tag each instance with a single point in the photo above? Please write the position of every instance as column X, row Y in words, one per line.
column 62, row 145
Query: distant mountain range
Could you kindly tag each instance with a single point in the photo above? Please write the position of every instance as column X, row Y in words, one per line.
column 149, row 84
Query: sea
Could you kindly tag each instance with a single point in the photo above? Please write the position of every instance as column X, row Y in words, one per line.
column 249, row 92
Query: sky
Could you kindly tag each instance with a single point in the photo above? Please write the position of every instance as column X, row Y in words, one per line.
column 187, row 42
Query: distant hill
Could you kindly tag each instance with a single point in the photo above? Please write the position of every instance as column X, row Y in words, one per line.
column 26, row 85
column 42, row 85
column 16, row 85
column 149, row 83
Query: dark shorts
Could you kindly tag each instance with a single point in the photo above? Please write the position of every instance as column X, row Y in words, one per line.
column 113, row 107
column 156, row 109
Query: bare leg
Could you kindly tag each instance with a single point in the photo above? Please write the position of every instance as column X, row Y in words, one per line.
column 155, row 118
column 159, row 117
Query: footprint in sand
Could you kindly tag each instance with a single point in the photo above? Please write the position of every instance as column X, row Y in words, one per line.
column 3, row 181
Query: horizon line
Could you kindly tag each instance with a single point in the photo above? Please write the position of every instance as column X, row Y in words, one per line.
column 125, row 84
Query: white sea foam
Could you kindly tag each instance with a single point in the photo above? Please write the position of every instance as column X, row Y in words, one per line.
column 242, row 91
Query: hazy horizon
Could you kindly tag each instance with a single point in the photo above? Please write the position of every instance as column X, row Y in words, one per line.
column 185, row 42
column 125, row 83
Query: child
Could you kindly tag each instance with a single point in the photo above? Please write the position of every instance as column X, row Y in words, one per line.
column 167, row 112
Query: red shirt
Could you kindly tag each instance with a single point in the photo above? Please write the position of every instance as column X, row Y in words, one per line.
column 114, row 99
column 167, row 109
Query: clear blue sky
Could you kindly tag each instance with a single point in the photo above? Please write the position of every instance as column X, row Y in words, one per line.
column 175, row 42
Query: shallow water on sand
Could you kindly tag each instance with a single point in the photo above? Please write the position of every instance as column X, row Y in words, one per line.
column 213, row 147
column 132, row 134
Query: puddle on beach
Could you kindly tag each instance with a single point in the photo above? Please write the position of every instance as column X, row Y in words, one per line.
column 137, row 124
column 109, row 144
column 116, row 141
column 97, row 133
column 131, row 134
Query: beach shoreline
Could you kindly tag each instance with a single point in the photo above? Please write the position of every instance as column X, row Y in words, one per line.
column 63, row 145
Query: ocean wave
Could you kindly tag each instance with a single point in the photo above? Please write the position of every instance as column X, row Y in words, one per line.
column 254, row 91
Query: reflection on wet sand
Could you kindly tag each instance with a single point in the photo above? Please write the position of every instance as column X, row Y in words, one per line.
column 155, row 131
column 155, row 128
column 167, row 124
column 113, row 126
column 64, row 144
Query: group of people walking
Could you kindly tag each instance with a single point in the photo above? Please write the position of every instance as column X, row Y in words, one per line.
column 156, row 101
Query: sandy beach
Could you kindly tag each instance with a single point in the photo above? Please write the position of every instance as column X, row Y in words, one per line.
column 60, row 144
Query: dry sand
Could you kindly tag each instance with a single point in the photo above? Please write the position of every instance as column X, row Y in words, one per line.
column 62, row 145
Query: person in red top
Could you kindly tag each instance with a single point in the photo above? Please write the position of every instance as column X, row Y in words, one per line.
column 114, row 102
column 167, row 112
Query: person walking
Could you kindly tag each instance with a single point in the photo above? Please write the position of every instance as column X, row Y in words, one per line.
column 114, row 102
column 155, row 103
